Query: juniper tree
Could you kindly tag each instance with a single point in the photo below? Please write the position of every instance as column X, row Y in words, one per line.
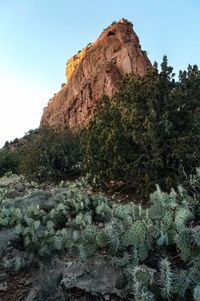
column 148, row 132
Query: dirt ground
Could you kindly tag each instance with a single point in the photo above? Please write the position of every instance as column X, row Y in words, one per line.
column 16, row 287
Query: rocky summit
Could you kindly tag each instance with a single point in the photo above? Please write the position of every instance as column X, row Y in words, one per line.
column 96, row 70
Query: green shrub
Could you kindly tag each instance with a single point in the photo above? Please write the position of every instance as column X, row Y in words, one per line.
column 50, row 154
column 9, row 161
column 148, row 132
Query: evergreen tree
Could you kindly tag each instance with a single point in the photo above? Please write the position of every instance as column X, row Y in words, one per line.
column 148, row 132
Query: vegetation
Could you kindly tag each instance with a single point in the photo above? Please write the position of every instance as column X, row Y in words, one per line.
column 44, row 154
column 146, row 135
column 50, row 154
column 148, row 132
column 9, row 161
column 155, row 249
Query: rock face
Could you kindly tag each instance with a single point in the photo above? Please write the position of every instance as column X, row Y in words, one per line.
column 94, row 71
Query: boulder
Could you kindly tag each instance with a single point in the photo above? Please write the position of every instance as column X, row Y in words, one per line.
column 95, row 277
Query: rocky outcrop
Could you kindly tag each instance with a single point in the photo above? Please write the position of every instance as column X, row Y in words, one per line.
column 94, row 71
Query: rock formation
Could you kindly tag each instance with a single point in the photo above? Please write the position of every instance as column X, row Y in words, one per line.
column 94, row 71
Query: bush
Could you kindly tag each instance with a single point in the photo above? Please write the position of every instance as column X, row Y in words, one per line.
column 50, row 154
column 9, row 161
column 148, row 132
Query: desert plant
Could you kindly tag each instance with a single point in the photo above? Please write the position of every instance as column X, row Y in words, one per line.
column 9, row 161
column 155, row 249
column 50, row 154
column 166, row 278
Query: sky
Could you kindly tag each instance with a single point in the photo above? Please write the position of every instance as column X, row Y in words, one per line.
column 38, row 36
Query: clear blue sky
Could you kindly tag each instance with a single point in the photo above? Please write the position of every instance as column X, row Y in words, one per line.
column 38, row 36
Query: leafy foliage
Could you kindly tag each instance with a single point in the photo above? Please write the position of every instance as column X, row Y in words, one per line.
column 148, row 132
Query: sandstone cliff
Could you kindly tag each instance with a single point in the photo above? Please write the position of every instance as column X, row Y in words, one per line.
column 94, row 71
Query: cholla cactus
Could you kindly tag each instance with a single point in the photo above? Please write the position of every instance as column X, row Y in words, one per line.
column 112, row 234
column 142, row 280
column 166, row 278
